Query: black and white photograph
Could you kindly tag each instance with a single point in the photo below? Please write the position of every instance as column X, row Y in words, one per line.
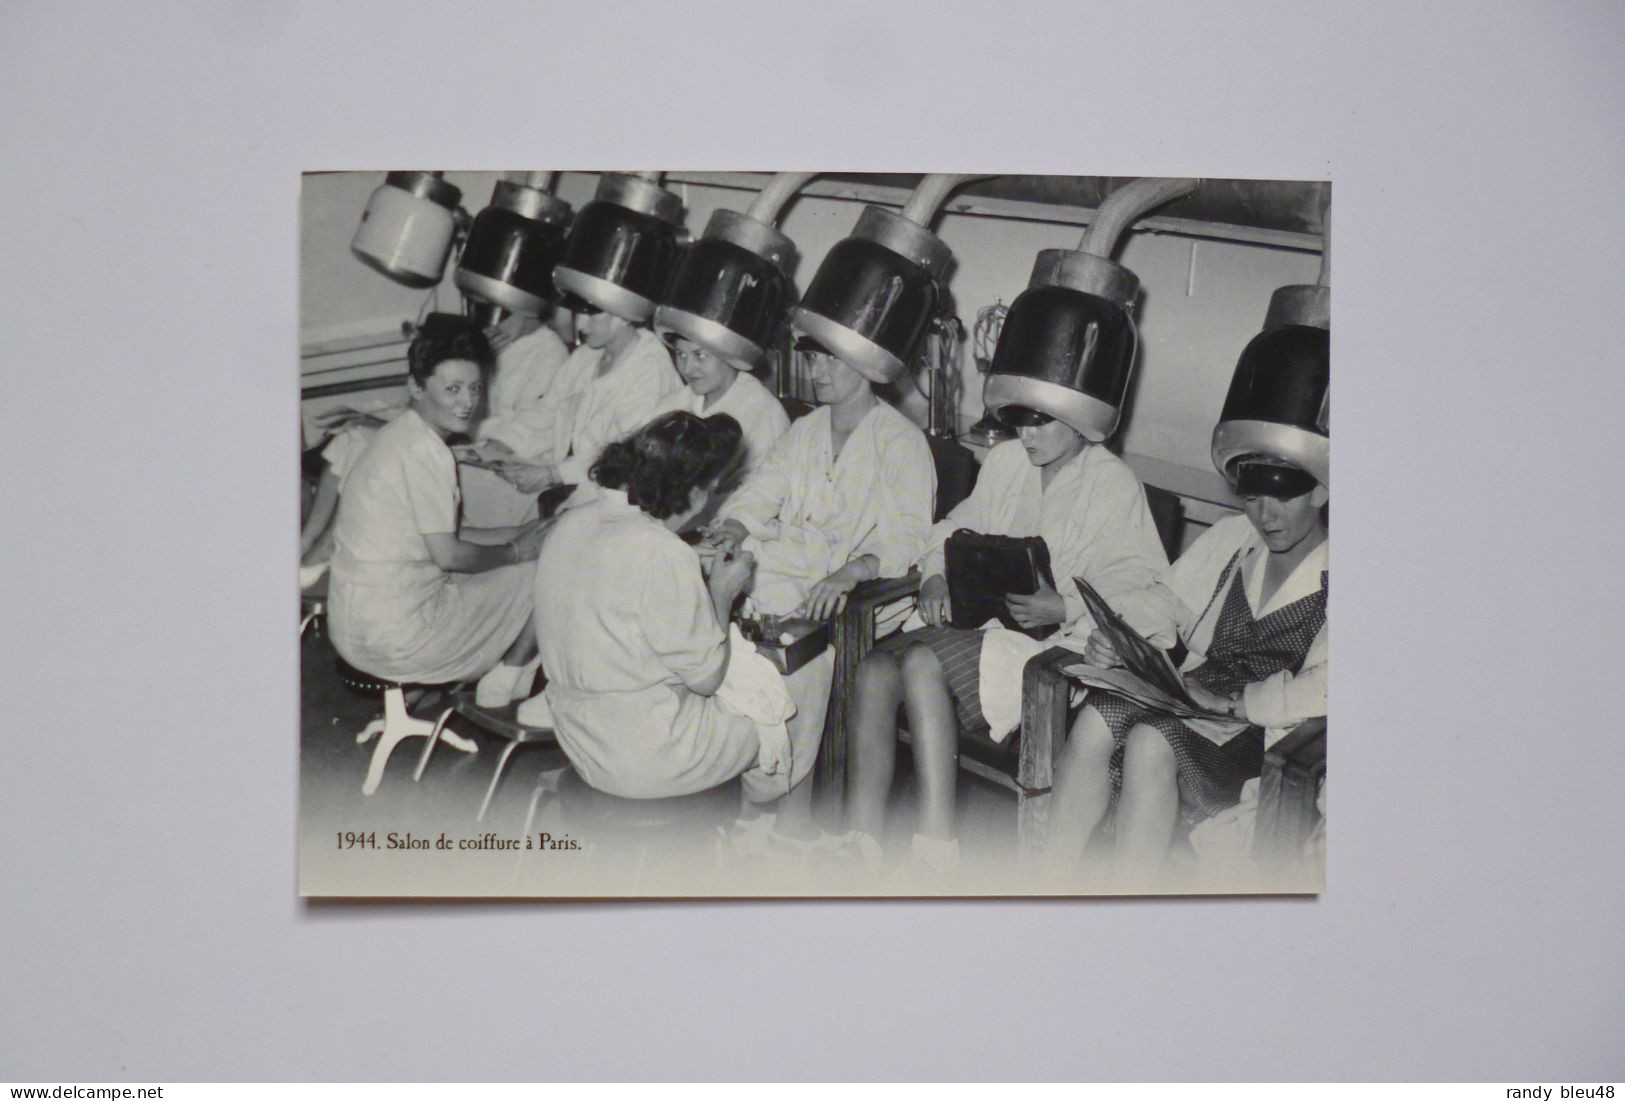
column 800, row 533
column 812, row 532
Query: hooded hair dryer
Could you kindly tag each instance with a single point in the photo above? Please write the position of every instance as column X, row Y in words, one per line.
column 733, row 285
column 408, row 227
column 623, row 247
column 878, row 289
column 1068, row 343
column 1279, row 404
column 513, row 246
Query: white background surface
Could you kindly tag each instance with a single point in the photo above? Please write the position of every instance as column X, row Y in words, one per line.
column 1472, row 928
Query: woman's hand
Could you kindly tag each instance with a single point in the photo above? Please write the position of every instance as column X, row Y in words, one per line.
column 1234, row 706
column 725, row 535
column 1041, row 609
column 528, row 477
column 828, row 597
column 933, row 601
column 1099, row 651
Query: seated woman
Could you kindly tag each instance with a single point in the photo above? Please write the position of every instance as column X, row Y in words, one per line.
column 415, row 597
column 611, row 385
column 1090, row 510
column 1257, row 652
column 844, row 496
column 716, row 385
column 633, row 636
column 516, row 423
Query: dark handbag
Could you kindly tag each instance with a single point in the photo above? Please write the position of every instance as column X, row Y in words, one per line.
column 984, row 569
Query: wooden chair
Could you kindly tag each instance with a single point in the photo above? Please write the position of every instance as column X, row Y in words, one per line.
column 1288, row 791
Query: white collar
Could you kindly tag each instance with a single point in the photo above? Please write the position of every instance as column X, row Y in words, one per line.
column 1303, row 581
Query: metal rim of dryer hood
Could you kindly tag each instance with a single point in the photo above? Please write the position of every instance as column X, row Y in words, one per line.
column 636, row 193
column 1082, row 271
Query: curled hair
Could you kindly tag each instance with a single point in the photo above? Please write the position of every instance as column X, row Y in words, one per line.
column 445, row 336
column 664, row 462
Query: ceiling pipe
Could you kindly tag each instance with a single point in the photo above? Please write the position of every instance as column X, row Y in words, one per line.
column 879, row 288
column 1127, row 205
column 779, row 191
column 1068, row 344
column 733, row 286
column 932, row 192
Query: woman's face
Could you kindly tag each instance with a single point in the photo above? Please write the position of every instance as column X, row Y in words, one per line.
column 706, row 374
column 1284, row 523
column 1049, row 443
column 449, row 400
column 833, row 380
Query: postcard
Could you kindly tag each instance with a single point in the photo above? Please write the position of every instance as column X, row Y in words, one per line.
column 625, row 498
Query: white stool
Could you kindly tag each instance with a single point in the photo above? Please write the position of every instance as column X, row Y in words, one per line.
column 396, row 725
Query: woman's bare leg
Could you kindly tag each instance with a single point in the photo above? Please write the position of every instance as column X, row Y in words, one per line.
column 935, row 733
column 872, row 757
column 1149, row 805
column 1083, row 789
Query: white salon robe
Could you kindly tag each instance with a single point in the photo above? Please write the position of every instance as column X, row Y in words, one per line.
column 1095, row 524
column 519, row 416
column 516, row 402
column 760, row 415
column 808, row 512
column 1093, row 519
column 598, row 410
column 626, row 625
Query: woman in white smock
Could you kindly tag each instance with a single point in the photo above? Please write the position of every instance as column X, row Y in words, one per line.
column 413, row 597
column 634, row 637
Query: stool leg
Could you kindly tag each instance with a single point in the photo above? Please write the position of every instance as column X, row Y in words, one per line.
column 370, row 731
column 397, row 726
column 428, row 747
column 496, row 778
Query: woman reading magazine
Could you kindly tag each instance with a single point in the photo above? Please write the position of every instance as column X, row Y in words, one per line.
column 1249, row 601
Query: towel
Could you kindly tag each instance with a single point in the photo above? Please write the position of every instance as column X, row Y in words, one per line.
column 1005, row 654
column 753, row 689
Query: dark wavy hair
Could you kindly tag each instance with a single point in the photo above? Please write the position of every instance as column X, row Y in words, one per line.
column 664, row 462
column 444, row 336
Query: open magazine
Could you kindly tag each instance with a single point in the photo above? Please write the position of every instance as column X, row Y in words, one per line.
column 1147, row 676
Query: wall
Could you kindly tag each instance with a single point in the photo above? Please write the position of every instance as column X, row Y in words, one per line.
column 1203, row 299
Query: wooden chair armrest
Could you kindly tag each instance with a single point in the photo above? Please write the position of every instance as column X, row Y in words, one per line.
column 1288, row 786
column 1045, row 692
column 853, row 636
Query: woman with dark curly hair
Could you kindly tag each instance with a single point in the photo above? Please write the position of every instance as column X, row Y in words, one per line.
column 416, row 596
column 634, row 635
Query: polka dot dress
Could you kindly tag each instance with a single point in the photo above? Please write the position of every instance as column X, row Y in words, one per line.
column 1243, row 650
